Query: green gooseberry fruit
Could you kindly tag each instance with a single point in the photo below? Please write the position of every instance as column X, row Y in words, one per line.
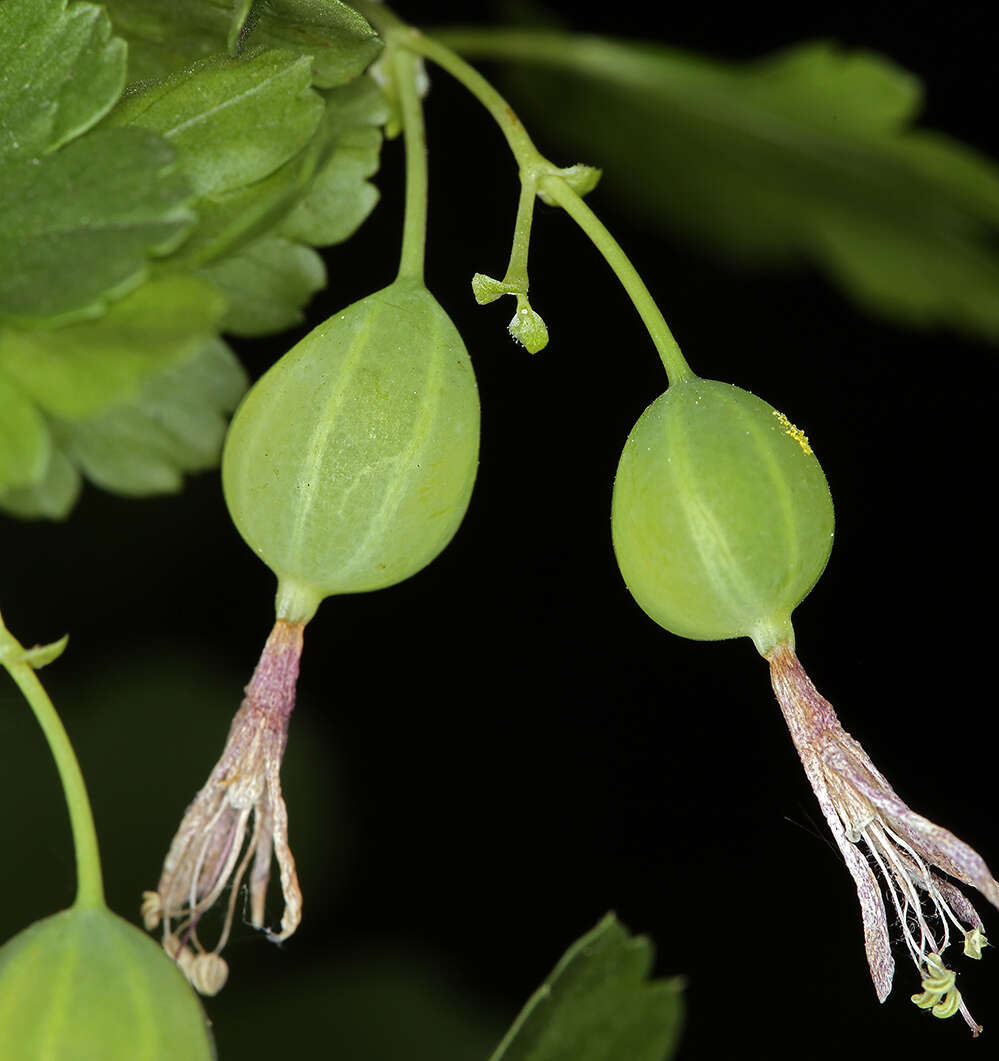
column 85, row 984
column 721, row 516
column 350, row 464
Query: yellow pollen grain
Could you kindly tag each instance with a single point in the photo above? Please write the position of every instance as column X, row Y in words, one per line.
column 796, row 433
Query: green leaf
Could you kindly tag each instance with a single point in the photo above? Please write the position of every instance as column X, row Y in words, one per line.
column 62, row 71
column 175, row 425
column 164, row 36
column 84, row 368
column 266, row 285
column 145, row 442
column 597, row 1005
column 51, row 497
column 232, row 121
column 341, row 42
column 79, row 225
column 340, row 197
column 806, row 154
column 229, row 222
column 24, row 438
column 344, row 146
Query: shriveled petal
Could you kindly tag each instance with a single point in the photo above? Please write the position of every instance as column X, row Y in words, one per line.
column 938, row 846
column 877, row 942
column 810, row 719
column 292, row 914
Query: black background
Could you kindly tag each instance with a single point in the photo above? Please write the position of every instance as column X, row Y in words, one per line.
column 513, row 748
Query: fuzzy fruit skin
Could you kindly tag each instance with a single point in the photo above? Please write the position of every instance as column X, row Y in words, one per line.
column 84, row 985
column 350, row 464
column 722, row 519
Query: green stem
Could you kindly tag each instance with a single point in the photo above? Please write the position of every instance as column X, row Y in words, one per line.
column 673, row 360
column 89, row 884
column 538, row 175
column 516, row 270
column 396, row 32
column 414, row 231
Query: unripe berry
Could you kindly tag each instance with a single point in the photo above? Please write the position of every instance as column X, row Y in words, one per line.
column 722, row 518
column 350, row 464
column 84, row 984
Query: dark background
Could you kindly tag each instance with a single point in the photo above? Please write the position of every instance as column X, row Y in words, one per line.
column 488, row 757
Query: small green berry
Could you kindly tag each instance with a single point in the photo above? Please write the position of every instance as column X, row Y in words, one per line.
column 350, row 464
column 85, row 984
column 721, row 517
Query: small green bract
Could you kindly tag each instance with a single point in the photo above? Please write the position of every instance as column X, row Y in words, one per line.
column 350, row 464
column 722, row 518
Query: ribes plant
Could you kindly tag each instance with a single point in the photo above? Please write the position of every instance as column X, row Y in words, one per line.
column 168, row 172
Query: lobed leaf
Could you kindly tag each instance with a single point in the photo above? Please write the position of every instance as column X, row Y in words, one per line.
column 229, row 222
column 145, row 443
column 340, row 196
column 806, row 154
column 24, row 438
column 342, row 151
column 84, row 368
column 80, row 224
column 597, row 1005
column 165, row 36
column 232, row 121
column 52, row 496
column 60, row 72
column 266, row 285
column 175, row 425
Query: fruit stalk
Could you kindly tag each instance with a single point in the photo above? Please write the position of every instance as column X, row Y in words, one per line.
column 89, row 882
column 414, row 232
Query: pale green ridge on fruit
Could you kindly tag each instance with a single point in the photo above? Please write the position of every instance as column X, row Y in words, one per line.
column 350, row 464
column 85, row 984
column 721, row 516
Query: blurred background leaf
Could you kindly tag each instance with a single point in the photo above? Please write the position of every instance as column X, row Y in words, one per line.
column 808, row 154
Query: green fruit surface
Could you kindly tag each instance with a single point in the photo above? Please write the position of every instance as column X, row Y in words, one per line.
column 722, row 518
column 350, row 464
column 84, row 985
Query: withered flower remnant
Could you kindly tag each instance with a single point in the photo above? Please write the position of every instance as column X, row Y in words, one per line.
column 236, row 823
column 873, row 828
